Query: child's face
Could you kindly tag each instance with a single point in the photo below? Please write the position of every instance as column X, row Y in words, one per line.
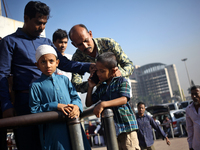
column 103, row 73
column 61, row 45
column 47, row 64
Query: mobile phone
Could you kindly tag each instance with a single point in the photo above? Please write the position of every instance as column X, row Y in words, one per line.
column 95, row 78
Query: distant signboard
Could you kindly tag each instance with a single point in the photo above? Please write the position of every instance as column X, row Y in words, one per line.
column 8, row 26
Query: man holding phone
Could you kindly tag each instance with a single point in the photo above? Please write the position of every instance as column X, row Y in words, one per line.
column 88, row 48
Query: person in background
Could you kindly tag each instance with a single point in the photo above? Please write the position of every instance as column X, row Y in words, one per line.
column 87, row 134
column 60, row 41
column 166, row 125
column 53, row 92
column 193, row 119
column 158, row 122
column 88, row 49
column 114, row 92
column 99, row 130
column 17, row 57
column 91, row 129
column 145, row 124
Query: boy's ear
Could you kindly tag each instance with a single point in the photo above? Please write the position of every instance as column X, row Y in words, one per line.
column 114, row 70
column 37, row 65
column 57, row 62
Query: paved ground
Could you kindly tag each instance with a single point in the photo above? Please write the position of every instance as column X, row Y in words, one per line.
column 176, row 144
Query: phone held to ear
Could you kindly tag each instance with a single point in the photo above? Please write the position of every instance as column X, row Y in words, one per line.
column 95, row 78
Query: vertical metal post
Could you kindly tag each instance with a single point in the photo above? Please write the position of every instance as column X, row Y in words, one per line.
column 181, row 128
column 75, row 134
column 154, row 135
column 109, row 130
column 187, row 71
column 92, row 139
column 99, row 141
column 172, row 131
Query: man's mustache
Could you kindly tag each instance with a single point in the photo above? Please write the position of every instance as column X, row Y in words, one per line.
column 39, row 30
column 87, row 49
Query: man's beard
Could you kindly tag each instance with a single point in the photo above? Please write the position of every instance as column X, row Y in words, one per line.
column 196, row 103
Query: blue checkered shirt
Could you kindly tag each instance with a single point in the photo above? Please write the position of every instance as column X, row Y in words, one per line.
column 124, row 117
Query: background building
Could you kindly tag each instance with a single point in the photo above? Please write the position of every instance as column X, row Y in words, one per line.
column 156, row 83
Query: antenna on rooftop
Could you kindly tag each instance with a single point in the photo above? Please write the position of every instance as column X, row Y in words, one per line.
column 0, row 9
column 4, row 6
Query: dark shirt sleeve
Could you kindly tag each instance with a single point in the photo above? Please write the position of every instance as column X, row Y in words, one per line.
column 71, row 66
column 157, row 127
column 6, row 53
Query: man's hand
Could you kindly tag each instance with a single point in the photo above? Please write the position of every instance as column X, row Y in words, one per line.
column 92, row 67
column 167, row 141
column 9, row 113
column 98, row 110
column 117, row 72
column 75, row 112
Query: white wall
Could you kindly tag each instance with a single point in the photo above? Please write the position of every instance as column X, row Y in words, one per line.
column 8, row 26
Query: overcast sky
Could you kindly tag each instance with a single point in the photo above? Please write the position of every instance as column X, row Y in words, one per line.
column 149, row 31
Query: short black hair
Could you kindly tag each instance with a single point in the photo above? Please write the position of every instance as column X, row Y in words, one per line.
column 59, row 34
column 195, row 87
column 108, row 59
column 80, row 25
column 140, row 104
column 34, row 7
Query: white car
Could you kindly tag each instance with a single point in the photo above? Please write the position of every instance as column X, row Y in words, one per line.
column 185, row 104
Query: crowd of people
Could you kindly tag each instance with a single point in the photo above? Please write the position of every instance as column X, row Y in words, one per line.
column 41, row 82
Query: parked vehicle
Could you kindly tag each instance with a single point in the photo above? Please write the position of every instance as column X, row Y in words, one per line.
column 185, row 104
column 177, row 117
column 173, row 106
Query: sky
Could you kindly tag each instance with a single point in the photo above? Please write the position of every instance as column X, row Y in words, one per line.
column 149, row 31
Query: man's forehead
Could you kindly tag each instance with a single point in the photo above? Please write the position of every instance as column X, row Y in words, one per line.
column 195, row 90
column 80, row 33
column 63, row 39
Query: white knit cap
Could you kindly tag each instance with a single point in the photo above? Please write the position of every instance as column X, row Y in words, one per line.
column 44, row 49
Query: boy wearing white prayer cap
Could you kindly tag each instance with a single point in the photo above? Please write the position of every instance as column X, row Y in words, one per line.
column 53, row 92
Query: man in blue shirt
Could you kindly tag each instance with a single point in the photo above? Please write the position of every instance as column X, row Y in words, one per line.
column 145, row 133
column 17, row 57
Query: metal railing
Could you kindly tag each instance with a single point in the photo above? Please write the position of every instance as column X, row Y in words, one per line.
column 171, row 130
column 73, row 124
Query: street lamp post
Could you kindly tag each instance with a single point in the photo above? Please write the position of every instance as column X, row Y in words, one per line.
column 187, row 70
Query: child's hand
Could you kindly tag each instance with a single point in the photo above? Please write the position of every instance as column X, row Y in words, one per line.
column 75, row 112
column 98, row 110
column 63, row 108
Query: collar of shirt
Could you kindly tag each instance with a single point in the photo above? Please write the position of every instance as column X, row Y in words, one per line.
column 96, row 43
column 43, row 76
column 114, row 78
column 19, row 33
column 137, row 115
